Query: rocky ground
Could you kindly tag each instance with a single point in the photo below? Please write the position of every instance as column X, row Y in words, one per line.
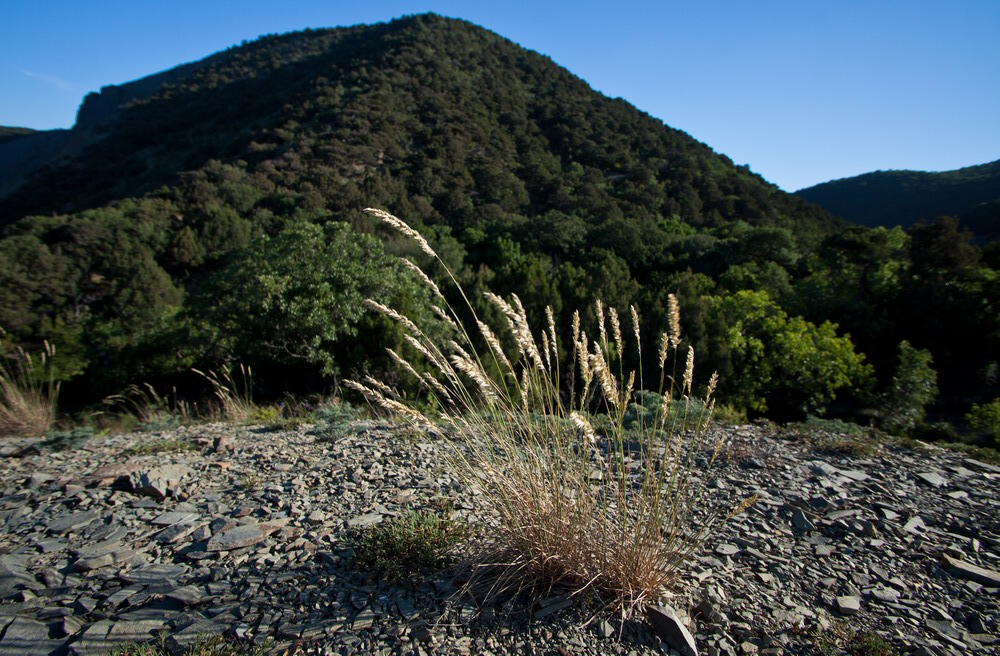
column 106, row 544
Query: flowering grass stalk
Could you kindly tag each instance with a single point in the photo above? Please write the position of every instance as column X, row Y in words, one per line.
column 28, row 392
column 615, row 511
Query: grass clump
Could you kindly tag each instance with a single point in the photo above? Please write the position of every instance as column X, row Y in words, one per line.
column 68, row 439
column 235, row 397
column 28, row 391
column 414, row 542
column 217, row 646
column 332, row 421
column 531, row 446
column 161, row 446
column 152, row 411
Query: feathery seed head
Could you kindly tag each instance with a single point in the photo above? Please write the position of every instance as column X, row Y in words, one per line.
column 444, row 317
column 423, row 276
column 402, row 228
column 635, row 325
column 712, row 382
column 581, row 422
column 674, row 318
column 664, row 344
column 600, row 321
column 688, row 371
column 616, row 329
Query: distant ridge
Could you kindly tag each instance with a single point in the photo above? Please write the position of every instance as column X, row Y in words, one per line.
column 889, row 198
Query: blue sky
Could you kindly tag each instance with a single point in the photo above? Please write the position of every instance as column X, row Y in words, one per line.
column 802, row 91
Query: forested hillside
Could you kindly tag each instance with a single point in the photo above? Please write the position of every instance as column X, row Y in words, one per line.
column 903, row 198
column 218, row 220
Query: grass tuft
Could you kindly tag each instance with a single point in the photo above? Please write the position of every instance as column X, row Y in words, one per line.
column 67, row 440
column 611, row 507
column 152, row 411
column 161, row 446
column 414, row 542
column 28, row 392
column 235, row 398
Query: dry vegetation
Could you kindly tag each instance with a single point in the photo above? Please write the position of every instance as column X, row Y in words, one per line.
column 28, row 392
column 615, row 514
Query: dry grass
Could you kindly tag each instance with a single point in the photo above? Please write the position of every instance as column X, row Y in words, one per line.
column 152, row 411
column 614, row 515
column 235, row 398
column 28, row 392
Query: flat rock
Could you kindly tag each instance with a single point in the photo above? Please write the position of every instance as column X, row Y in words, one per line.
column 933, row 479
column 27, row 636
column 364, row 520
column 172, row 518
column 671, row 630
column 972, row 572
column 236, row 538
column 848, row 605
column 154, row 574
column 70, row 522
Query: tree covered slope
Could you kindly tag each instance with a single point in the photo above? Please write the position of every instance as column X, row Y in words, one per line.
column 890, row 198
column 216, row 217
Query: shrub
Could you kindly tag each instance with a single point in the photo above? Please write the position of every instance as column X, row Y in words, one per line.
column 408, row 544
column 913, row 387
column 985, row 417
column 332, row 420
column 28, row 392
column 533, row 450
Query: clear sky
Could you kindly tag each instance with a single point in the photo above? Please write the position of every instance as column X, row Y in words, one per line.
column 803, row 91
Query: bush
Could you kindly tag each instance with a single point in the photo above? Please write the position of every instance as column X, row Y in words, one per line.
column 533, row 450
column 985, row 417
column 332, row 420
column 913, row 387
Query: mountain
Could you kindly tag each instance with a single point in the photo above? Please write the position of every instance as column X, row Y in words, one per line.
column 888, row 198
column 367, row 101
column 211, row 214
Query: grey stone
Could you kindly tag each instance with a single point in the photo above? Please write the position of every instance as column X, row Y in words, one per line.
column 800, row 522
column 27, row 636
column 965, row 570
column 671, row 630
column 171, row 518
column 236, row 538
column 189, row 595
column 70, row 522
column 553, row 605
column 364, row 620
column 933, row 479
column 848, row 605
column 154, row 574
column 367, row 519
column 160, row 482
column 179, row 641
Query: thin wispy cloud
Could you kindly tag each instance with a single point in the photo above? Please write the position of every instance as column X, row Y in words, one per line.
column 53, row 81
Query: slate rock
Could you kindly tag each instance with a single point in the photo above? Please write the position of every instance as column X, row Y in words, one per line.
column 933, row 479
column 671, row 630
column 236, row 538
column 160, row 482
column 70, row 522
column 848, row 605
column 965, row 570
column 28, row 636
